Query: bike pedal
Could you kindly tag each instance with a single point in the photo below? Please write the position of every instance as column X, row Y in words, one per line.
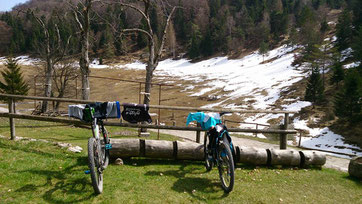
column 108, row 146
column 87, row 172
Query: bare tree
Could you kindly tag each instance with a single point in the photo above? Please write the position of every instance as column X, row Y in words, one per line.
column 52, row 50
column 82, row 17
column 171, row 40
column 155, row 49
column 64, row 73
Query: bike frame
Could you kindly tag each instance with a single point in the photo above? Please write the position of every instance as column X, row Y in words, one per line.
column 95, row 129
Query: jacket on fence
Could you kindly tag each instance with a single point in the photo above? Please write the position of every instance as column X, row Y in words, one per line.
column 134, row 113
column 207, row 120
column 95, row 110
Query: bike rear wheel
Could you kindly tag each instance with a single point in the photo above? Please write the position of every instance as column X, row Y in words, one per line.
column 208, row 161
column 226, row 166
column 94, row 163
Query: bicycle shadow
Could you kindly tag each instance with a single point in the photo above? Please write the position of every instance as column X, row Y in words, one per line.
column 188, row 183
column 62, row 185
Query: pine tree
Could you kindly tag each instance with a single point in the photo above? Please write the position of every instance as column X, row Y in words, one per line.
column 338, row 73
column 263, row 49
column 344, row 30
column 142, row 39
column 194, row 50
column 13, row 80
column 293, row 37
column 315, row 90
column 348, row 101
column 357, row 46
column 324, row 26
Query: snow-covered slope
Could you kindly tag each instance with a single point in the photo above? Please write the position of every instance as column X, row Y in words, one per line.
column 255, row 83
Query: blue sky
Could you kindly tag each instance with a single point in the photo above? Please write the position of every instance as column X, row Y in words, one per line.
column 6, row 5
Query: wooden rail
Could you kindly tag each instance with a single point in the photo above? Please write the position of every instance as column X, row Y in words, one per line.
column 151, row 106
column 11, row 115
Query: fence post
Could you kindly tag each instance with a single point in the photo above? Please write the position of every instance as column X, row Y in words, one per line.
column 12, row 124
column 283, row 136
column 198, row 133
column 159, row 111
column 76, row 86
column 257, row 126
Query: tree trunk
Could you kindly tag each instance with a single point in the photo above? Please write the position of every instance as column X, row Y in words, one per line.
column 84, row 59
column 148, row 85
column 85, row 84
column 84, row 66
column 48, row 84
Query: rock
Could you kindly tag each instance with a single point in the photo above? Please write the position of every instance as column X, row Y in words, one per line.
column 75, row 149
column 355, row 167
column 118, row 161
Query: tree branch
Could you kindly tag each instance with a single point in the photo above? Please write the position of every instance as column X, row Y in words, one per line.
column 164, row 35
column 138, row 30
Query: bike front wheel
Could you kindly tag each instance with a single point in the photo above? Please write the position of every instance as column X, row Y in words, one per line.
column 226, row 166
column 105, row 150
column 95, row 157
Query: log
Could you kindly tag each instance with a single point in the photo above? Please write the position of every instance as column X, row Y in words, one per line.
column 312, row 158
column 190, row 151
column 124, row 148
column 252, row 155
column 159, row 149
column 355, row 167
column 285, row 157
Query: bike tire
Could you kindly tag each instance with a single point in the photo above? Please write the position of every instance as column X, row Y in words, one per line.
column 226, row 166
column 94, row 165
column 106, row 151
column 208, row 163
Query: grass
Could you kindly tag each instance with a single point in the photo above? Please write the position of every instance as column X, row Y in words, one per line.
column 37, row 172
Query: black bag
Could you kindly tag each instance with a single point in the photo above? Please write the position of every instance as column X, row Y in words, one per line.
column 134, row 113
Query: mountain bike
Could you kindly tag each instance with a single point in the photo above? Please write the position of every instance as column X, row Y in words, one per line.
column 98, row 154
column 218, row 151
column 98, row 145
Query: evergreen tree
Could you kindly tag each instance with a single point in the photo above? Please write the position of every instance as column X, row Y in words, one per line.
column 348, row 101
column 142, row 39
column 194, row 50
column 13, row 80
column 315, row 90
column 180, row 24
column 357, row 13
column 324, row 26
column 278, row 24
column 263, row 49
column 357, row 46
column 293, row 37
column 344, row 30
column 338, row 73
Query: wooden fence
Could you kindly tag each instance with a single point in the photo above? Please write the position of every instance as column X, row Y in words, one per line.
column 284, row 131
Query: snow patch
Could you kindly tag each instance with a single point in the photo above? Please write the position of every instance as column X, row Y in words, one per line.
column 352, row 65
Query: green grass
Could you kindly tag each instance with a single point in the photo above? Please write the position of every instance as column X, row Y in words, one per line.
column 37, row 172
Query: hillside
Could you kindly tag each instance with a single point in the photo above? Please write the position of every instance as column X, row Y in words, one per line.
column 292, row 55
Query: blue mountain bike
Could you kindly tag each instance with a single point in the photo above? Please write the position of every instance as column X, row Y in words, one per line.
column 218, row 151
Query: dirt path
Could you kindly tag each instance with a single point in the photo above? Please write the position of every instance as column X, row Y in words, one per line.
column 333, row 162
